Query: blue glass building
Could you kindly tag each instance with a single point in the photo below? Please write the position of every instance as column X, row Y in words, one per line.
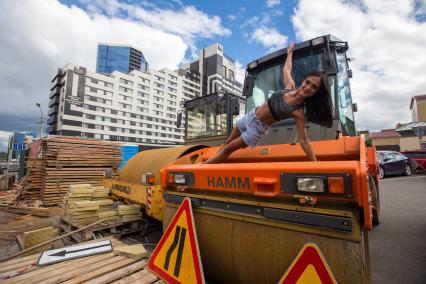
column 112, row 58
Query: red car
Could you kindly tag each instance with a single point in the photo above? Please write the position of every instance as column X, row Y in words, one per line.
column 418, row 159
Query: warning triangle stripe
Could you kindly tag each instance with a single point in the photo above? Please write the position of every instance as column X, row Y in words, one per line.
column 309, row 256
column 183, row 209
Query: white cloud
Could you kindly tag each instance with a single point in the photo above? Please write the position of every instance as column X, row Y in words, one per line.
column 388, row 44
column 240, row 72
column 40, row 36
column 272, row 3
column 231, row 17
column 269, row 38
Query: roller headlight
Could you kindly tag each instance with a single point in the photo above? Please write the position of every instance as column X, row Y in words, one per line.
column 311, row 184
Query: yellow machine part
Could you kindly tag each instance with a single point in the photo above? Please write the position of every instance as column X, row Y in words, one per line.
column 238, row 248
column 129, row 185
column 152, row 161
column 149, row 197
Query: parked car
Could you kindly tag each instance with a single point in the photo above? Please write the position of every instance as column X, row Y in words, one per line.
column 393, row 163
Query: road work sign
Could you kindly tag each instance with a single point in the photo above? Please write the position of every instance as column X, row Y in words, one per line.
column 309, row 267
column 176, row 259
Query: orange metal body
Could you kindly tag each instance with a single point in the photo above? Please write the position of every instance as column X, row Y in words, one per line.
column 256, row 172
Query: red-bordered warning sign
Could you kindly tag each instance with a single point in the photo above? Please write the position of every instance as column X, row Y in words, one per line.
column 176, row 259
column 309, row 267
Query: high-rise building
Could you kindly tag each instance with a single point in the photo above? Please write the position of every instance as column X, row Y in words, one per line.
column 139, row 107
column 217, row 71
column 120, row 58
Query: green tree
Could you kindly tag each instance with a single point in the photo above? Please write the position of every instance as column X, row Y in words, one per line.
column 3, row 156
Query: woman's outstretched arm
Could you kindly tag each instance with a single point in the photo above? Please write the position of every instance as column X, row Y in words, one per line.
column 288, row 80
column 302, row 136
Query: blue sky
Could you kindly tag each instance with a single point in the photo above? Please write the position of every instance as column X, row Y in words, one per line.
column 386, row 37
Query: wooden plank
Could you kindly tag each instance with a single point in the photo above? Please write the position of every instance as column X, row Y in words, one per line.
column 119, row 273
column 132, row 278
column 101, row 271
column 41, row 272
column 77, row 270
column 150, row 278
column 136, row 251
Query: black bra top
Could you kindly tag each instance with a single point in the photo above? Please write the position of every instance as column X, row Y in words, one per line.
column 279, row 108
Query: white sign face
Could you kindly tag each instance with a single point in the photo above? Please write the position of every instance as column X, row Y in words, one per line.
column 67, row 253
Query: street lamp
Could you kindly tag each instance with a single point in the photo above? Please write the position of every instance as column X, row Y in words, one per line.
column 41, row 119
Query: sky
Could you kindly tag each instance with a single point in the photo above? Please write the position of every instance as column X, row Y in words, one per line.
column 387, row 38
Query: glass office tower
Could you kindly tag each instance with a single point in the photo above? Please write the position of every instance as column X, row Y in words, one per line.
column 119, row 58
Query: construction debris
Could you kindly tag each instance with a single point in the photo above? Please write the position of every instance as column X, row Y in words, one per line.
column 33, row 238
column 36, row 211
column 102, row 268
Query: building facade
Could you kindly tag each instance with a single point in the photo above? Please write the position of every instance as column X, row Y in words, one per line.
column 216, row 71
column 418, row 108
column 124, row 59
column 139, row 107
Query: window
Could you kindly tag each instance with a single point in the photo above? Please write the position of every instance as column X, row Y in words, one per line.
column 158, row 99
column 171, row 109
column 108, row 85
column 93, row 90
column 158, row 92
column 161, row 79
column 172, row 103
column 93, row 81
column 172, row 77
column 172, row 90
column 160, row 86
column 159, row 106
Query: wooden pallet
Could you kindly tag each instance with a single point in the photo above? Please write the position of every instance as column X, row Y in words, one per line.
column 113, row 227
column 102, row 268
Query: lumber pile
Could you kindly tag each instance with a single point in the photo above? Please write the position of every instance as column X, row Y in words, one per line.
column 84, row 204
column 68, row 161
column 103, row 268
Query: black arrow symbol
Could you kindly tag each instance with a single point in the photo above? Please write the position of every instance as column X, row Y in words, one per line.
column 64, row 252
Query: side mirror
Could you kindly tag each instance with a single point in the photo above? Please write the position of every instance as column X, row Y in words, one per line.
column 179, row 119
column 355, row 107
column 235, row 106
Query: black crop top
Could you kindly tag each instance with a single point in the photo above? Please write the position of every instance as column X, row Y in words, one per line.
column 279, row 108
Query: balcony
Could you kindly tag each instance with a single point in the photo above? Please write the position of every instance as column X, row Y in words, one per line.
column 53, row 101
column 52, row 120
column 53, row 110
column 55, row 92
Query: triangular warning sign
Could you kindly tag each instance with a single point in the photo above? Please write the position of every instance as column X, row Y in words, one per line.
column 309, row 267
column 176, row 259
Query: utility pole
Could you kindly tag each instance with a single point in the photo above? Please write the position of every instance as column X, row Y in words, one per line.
column 41, row 119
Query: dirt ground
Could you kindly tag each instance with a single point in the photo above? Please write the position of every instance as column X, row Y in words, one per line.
column 12, row 224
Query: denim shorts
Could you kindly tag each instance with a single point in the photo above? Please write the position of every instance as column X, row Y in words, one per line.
column 252, row 129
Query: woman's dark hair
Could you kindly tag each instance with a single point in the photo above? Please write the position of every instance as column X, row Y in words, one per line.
column 319, row 108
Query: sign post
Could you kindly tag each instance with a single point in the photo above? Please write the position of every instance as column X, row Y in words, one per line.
column 176, row 259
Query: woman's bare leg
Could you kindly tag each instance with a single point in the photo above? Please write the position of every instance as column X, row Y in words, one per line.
column 227, row 150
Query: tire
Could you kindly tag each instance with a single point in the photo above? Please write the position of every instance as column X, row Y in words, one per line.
column 381, row 172
column 375, row 200
column 407, row 170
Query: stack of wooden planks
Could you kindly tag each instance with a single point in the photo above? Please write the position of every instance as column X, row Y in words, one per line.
column 68, row 161
column 129, row 213
column 84, row 204
column 114, row 267
column 32, row 185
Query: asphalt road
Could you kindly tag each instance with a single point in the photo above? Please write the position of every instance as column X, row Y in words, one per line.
column 398, row 244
